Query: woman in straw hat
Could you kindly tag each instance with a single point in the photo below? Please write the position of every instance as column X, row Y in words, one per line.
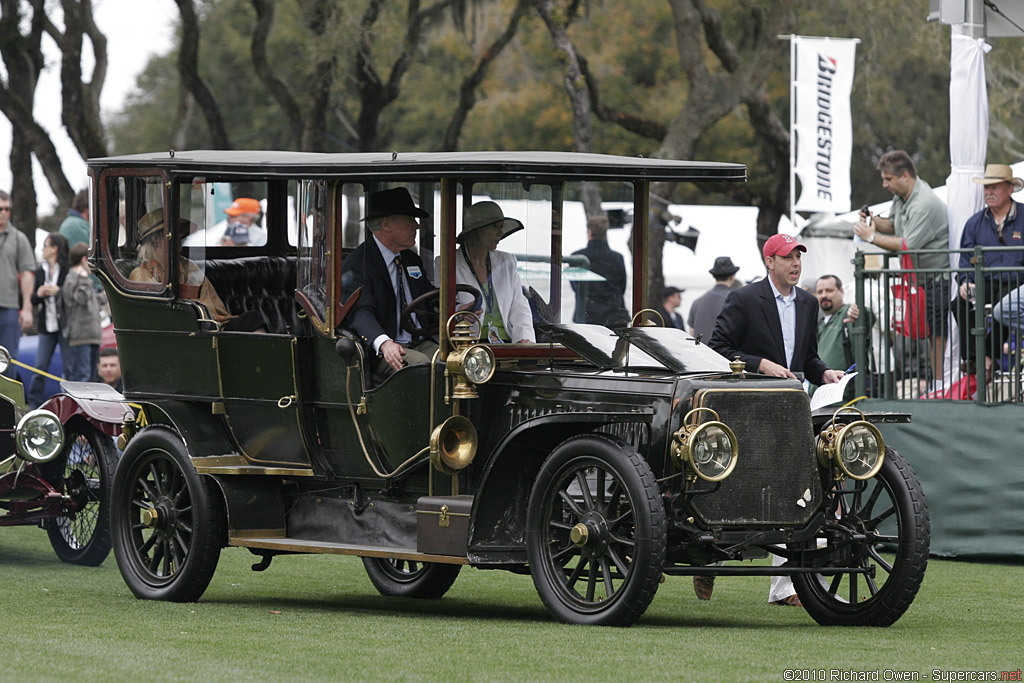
column 193, row 282
column 506, row 312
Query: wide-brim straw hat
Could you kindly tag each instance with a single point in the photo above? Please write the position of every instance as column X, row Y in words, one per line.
column 1000, row 173
column 484, row 214
column 151, row 223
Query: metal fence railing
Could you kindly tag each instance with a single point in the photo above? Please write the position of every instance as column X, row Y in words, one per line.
column 922, row 335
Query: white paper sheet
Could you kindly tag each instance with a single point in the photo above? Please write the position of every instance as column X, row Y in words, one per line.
column 830, row 393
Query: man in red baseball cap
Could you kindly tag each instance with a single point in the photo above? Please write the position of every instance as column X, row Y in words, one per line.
column 772, row 326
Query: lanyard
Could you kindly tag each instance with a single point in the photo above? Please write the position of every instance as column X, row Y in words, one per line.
column 490, row 281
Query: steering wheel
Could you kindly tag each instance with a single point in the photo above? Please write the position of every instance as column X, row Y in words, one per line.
column 427, row 314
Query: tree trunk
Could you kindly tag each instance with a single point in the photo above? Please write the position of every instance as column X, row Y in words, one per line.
column 579, row 98
column 319, row 17
column 80, row 101
column 271, row 83
column 188, row 67
column 467, row 91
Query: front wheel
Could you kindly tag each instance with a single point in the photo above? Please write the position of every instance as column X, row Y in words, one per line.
column 168, row 522
column 595, row 532
column 883, row 525
column 409, row 579
column 82, row 534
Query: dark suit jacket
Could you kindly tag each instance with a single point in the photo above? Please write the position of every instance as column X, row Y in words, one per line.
column 376, row 311
column 749, row 327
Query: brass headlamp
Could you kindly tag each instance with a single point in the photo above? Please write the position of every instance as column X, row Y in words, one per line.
column 470, row 362
column 857, row 448
column 709, row 449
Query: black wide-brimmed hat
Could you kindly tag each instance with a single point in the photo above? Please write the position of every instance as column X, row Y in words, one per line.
column 394, row 202
column 723, row 267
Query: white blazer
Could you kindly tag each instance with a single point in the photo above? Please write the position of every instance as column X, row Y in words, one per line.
column 512, row 304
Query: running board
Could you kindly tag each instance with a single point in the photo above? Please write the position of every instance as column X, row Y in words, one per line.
column 301, row 545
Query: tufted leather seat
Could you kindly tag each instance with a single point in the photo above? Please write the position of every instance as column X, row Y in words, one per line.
column 257, row 283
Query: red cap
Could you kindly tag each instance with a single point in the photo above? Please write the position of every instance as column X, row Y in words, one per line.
column 243, row 205
column 781, row 245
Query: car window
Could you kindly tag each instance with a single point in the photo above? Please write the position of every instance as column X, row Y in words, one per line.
column 314, row 198
column 134, row 230
column 224, row 214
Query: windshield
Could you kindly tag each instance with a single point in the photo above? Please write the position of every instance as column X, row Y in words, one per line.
column 677, row 350
column 601, row 346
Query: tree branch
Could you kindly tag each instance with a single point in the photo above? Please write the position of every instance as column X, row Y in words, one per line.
column 188, row 67
column 271, row 83
column 467, row 91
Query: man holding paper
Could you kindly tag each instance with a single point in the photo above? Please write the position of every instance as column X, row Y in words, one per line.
column 772, row 326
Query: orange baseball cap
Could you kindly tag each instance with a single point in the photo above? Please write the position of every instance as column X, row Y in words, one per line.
column 243, row 205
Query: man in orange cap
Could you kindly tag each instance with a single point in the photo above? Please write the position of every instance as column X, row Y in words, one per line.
column 243, row 213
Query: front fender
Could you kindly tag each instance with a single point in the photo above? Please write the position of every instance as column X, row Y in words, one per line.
column 101, row 405
column 497, row 533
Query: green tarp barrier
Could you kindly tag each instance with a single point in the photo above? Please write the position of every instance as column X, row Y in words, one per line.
column 970, row 460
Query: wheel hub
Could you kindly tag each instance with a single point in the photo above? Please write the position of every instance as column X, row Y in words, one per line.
column 591, row 533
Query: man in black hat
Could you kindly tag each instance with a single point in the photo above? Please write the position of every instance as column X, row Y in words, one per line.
column 704, row 311
column 390, row 275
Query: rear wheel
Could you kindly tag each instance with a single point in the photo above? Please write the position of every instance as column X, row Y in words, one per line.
column 596, row 532
column 409, row 579
column 83, row 472
column 883, row 525
column 168, row 522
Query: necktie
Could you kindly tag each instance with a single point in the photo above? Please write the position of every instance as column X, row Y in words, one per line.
column 400, row 283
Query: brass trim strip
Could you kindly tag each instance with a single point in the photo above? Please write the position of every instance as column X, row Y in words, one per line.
column 253, row 469
column 298, row 545
column 257, row 533
column 438, row 512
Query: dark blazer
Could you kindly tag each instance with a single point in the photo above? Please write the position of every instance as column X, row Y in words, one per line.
column 376, row 311
column 37, row 301
column 749, row 327
column 672, row 319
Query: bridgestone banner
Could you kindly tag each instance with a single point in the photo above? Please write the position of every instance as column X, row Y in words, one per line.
column 823, row 126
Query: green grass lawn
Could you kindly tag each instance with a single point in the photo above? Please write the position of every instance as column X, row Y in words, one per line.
column 318, row 618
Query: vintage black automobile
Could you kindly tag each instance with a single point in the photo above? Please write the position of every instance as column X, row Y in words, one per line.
column 596, row 459
column 56, row 463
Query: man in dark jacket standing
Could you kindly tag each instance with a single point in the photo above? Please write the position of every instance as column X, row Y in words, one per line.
column 601, row 303
column 704, row 311
column 772, row 326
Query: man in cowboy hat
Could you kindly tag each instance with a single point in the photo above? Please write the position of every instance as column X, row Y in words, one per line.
column 917, row 220
column 391, row 275
column 999, row 224
column 704, row 311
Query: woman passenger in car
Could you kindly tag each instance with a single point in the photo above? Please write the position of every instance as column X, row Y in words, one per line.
column 193, row 282
column 506, row 311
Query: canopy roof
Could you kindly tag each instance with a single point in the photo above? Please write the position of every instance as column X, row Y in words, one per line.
column 567, row 165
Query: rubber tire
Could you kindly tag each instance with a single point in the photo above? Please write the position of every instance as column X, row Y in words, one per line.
column 639, row 491
column 894, row 597
column 195, row 505
column 71, row 540
column 404, row 579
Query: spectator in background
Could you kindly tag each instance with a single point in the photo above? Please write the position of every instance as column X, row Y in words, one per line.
column 81, row 317
column 75, row 227
column 999, row 224
column 242, row 229
column 704, row 311
column 17, row 266
column 49, row 312
column 918, row 220
column 110, row 368
column 670, row 298
column 601, row 303
column 835, row 326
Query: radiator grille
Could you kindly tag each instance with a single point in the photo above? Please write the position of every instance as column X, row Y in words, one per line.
column 776, row 463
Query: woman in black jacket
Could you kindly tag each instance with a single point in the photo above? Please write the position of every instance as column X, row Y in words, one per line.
column 49, row 311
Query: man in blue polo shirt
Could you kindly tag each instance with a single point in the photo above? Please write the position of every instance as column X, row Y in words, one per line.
column 999, row 224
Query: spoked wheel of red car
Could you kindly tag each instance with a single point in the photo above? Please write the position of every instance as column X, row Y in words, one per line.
column 596, row 532
column 168, row 522
column 883, row 525
column 82, row 472
column 410, row 579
